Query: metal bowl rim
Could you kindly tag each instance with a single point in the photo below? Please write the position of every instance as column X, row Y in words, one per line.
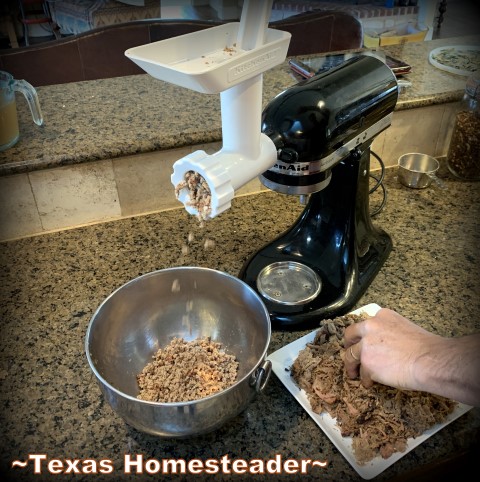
column 189, row 402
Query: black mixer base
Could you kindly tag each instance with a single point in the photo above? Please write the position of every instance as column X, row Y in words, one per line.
column 334, row 238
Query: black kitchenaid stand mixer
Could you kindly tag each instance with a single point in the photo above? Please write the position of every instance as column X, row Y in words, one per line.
column 323, row 129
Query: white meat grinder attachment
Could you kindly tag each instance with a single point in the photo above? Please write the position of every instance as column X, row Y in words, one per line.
column 229, row 59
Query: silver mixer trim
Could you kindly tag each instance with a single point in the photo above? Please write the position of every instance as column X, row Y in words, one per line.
column 295, row 190
column 289, row 283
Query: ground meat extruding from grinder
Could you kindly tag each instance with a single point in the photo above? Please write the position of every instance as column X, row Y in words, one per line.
column 199, row 193
column 379, row 419
column 184, row 371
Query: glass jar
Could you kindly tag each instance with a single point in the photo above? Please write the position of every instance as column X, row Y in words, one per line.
column 463, row 158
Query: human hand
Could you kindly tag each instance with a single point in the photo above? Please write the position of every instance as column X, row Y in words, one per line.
column 385, row 349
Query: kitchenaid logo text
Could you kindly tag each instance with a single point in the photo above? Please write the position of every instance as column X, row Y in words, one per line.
column 291, row 167
column 297, row 169
column 137, row 464
column 252, row 64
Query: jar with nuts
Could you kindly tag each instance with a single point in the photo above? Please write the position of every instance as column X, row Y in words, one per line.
column 463, row 158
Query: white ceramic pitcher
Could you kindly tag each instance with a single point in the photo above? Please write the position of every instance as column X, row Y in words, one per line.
column 9, row 132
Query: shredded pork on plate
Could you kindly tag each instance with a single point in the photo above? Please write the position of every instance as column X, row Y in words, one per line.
column 379, row 419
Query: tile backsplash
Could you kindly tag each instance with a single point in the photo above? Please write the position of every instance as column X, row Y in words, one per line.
column 71, row 196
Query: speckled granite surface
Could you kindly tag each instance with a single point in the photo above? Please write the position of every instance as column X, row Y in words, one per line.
column 430, row 85
column 51, row 285
column 102, row 119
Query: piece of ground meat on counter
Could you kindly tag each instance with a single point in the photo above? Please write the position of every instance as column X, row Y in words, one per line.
column 379, row 419
column 187, row 370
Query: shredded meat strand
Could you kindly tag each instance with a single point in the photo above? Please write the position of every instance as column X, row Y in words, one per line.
column 379, row 419
column 199, row 193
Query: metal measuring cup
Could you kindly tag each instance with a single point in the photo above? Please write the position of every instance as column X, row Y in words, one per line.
column 418, row 170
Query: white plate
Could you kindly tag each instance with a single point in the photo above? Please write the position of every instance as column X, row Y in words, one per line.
column 448, row 68
column 284, row 358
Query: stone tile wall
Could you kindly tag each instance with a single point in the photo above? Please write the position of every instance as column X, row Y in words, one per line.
column 72, row 196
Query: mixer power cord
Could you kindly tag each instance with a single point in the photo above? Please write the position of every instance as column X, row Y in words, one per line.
column 379, row 183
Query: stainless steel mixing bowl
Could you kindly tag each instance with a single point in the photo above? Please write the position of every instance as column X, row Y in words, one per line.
column 146, row 313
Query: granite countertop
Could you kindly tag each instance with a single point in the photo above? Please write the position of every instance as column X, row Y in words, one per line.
column 52, row 284
column 103, row 119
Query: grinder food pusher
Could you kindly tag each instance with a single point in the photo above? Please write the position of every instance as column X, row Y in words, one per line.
column 311, row 140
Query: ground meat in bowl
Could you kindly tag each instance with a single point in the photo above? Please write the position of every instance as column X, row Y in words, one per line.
column 187, row 370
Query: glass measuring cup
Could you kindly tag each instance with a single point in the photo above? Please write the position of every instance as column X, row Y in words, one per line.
column 9, row 132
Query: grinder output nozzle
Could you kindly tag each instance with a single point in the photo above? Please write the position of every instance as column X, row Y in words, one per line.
column 224, row 172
